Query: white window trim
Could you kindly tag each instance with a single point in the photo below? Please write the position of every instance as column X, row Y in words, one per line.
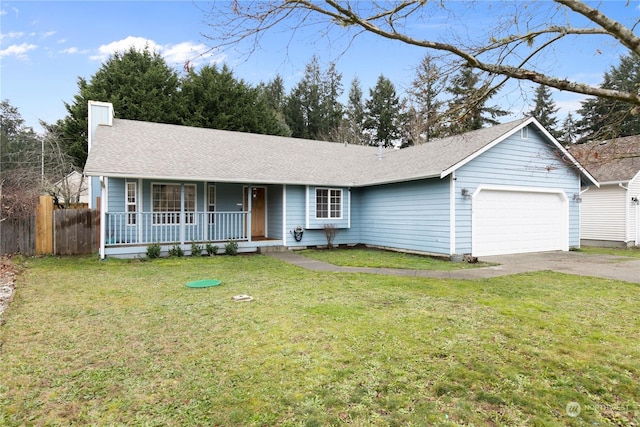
column 329, row 204
column 127, row 203
column 181, row 211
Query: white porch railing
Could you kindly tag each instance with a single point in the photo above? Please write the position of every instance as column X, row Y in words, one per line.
column 145, row 228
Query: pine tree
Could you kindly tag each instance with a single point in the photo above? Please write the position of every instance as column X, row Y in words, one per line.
column 383, row 113
column 467, row 109
column 545, row 110
column 425, row 114
column 355, row 114
column 569, row 131
column 606, row 119
column 312, row 108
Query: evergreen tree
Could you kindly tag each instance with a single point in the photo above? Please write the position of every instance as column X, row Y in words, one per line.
column 545, row 110
column 274, row 95
column 355, row 114
column 383, row 111
column 569, row 131
column 425, row 114
column 467, row 109
column 20, row 146
column 606, row 119
column 312, row 108
column 139, row 84
column 213, row 98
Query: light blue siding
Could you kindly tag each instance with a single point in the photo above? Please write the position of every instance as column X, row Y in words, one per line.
column 319, row 223
column 530, row 162
column 274, row 211
column 296, row 216
column 412, row 215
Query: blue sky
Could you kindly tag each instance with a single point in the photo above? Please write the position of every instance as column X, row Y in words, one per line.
column 46, row 45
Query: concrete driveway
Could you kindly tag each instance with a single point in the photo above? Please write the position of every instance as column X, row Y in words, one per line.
column 606, row 266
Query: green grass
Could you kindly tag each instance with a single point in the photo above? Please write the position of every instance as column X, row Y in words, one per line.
column 633, row 252
column 88, row 342
column 376, row 258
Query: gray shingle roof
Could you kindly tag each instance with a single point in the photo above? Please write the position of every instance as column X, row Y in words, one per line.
column 615, row 160
column 161, row 151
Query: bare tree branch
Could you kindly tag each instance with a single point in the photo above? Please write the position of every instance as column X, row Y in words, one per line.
column 500, row 55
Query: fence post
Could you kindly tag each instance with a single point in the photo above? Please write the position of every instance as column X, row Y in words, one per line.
column 44, row 226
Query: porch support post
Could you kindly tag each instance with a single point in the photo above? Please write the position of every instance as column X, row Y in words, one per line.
column 103, row 216
column 182, row 215
column 249, row 202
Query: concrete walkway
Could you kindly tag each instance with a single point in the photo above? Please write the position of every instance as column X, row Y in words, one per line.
column 605, row 266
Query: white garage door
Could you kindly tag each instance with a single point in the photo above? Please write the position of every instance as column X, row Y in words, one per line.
column 509, row 222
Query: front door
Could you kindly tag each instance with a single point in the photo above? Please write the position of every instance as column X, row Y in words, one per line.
column 258, row 211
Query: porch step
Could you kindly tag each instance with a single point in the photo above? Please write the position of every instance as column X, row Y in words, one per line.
column 271, row 249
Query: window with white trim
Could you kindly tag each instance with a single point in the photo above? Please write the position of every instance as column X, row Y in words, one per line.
column 131, row 203
column 328, row 203
column 211, row 203
column 166, row 203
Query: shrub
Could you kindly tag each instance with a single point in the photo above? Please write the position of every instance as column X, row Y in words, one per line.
column 231, row 248
column 196, row 249
column 176, row 250
column 330, row 232
column 153, row 251
column 211, row 249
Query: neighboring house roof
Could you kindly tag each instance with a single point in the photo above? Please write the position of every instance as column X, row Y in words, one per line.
column 615, row 160
column 160, row 151
column 73, row 184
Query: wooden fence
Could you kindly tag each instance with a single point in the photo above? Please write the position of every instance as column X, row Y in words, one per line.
column 52, row 231
column 18, row 236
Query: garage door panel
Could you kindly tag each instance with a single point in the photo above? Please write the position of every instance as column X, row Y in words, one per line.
column 517, row 222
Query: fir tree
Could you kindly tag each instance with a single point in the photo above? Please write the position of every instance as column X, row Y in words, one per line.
column 425, row 115
column 569, row 131
column 606, row 119
column 383, row 113
column 355, row 114
column 545, row 109
column 467, row 109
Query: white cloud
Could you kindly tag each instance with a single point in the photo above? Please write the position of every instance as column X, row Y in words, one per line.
column 174, row 54
column 72, row 50
column 17, row 50
column 3, row 12
column 12, row 35
column 48, row 34
column 139, row 43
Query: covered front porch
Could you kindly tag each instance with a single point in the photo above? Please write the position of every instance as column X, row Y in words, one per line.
column 186, row 213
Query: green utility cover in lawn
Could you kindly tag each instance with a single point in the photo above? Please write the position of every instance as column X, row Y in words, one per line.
column 204, row 283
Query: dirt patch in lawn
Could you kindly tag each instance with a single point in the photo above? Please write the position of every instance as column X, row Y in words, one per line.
column 7, row 283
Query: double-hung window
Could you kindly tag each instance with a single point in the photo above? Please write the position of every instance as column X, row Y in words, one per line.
column 211, row 203
column 131, row 203
column 328, row 203
column 167, row 205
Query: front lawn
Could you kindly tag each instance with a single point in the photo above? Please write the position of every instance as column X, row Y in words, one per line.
column 377, row 258
column 88, row 342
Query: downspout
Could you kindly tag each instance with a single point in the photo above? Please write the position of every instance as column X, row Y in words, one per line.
column 627, row 218
column 103, row 216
